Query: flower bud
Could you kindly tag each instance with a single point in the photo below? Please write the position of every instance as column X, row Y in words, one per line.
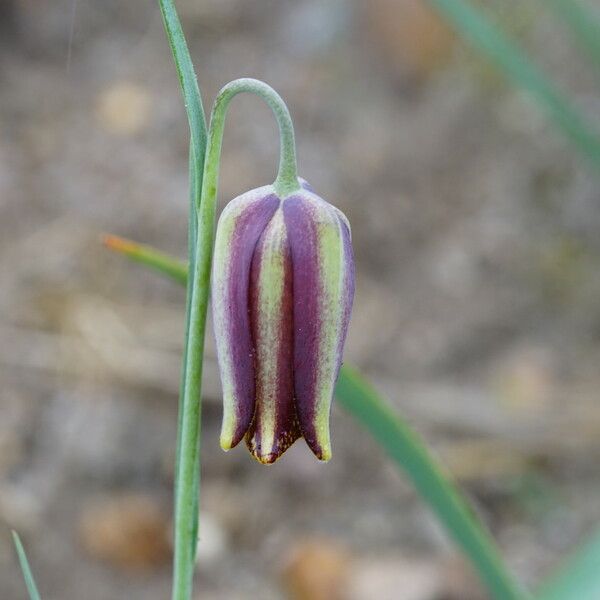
column 282, row 290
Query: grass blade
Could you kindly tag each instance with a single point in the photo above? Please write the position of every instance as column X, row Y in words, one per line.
column 406, row 449
column 579, row 578
column 189, row 87
column 148, row 256
column 584, row 24
column 484, row 36
column 25, row 568
column 163, row 263
column 198, row 138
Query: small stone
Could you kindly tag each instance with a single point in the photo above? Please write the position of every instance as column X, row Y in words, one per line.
column 390, row 578
column 411, row 36
column 526, row 380
column 130, row 532
column 124, row 108
column 316, row 569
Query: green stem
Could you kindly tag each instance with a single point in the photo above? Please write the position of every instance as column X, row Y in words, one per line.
column 186, row 497
column 186, row 533
column 287, row 175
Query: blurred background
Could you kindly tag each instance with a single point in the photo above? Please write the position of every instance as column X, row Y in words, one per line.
column 477, row 312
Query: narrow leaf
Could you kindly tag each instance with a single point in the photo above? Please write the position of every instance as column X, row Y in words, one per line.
column 579, row 578
column 148, row 256
column 484, row 36
column 25, row 568
column 407, row 450
column 189, row 86
column 197, row 122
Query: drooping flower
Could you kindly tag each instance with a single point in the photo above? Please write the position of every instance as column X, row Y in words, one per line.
column 282, row 290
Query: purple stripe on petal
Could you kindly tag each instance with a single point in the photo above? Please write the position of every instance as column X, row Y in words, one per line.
column 302, row 234
column 275, row 425
column 323, row 290
column 233, row 329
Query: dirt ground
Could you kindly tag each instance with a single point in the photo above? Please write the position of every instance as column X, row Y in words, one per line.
column 477, row 309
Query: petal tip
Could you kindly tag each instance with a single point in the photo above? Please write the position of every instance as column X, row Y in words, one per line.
column 325, row 455
column 268, row 454
column 226, row 444
column 320, row 442
column 229, row 439
column 265, row 459
column 322, row 452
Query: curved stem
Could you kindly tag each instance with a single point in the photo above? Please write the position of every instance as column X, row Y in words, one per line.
column 186, row 498
column 287, row 176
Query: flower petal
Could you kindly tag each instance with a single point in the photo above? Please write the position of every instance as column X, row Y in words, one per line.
column 242, row 222
column 275, row 426
column 323, row 283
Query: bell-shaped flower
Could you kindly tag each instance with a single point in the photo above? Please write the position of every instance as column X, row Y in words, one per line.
column 282, row 290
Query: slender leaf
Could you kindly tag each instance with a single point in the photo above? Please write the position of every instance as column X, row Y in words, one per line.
column 189, row 87
column 407, row 450
column 405, row 447
column 579, row 578
column 148, row 256
column 483, row 35
column 583, row 22
column 25, row 568
column 197, row 122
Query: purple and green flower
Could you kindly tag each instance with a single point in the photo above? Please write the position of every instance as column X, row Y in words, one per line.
column 282, row 290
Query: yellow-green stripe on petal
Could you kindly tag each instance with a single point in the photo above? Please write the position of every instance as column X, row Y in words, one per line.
column 323, row 291
column 274, row 427
column 240, row 226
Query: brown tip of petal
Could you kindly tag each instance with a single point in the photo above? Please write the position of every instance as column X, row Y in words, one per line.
column 268, row 459
column 268, row 456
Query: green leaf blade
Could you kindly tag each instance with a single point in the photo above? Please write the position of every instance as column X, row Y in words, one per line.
column 189, row 85
column 579, row 578
column 484, row 36
column 406, row 449
column 198, row 140
column 145, row 255
column 25, row 568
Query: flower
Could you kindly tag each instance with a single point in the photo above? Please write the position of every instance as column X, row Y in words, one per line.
column 282, row 290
